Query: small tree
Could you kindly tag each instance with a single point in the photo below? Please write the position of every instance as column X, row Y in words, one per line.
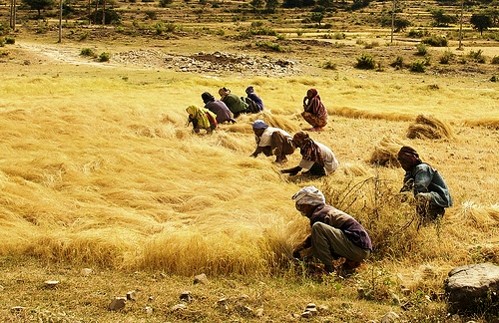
column 442, row 19
column 481, row 22
column 39, row 5
column 317, row 17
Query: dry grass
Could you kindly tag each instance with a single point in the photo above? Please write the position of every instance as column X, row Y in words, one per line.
column 99, row 169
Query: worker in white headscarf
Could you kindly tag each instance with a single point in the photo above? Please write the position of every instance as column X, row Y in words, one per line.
column 334, row 233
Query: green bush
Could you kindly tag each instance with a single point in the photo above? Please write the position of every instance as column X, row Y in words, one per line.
column 104, row 57
column 421, row 49
column 446, row 57
column 10, row 40
column 87, row 52
column 477, row 56
column 495, row 60
column 435, row 41
column 366, row 62
column 329, row 65
column 418, row 33
column 418, row 67
column 270, row 46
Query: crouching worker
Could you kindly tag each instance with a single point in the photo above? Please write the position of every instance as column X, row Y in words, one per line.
column 272, row 141
column 201, row 118
column 334, row 233
column 317, row 159
column 429, row 188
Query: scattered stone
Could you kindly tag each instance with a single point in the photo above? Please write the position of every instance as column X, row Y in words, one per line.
column 148, row 310
column 259, row 312
column 179, row 307
column 150, row 299
column 473, row 288
column 216, row 62
column 51, row 283
column 390, row 317
column 306, row 314
column 311, row 305
column 186, row 296
column 86, row 271
column 1, row 288
column 131, row 296
column 200, row 279
column 117, row 304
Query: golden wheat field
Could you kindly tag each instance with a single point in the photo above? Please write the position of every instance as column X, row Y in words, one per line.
column 99, row 169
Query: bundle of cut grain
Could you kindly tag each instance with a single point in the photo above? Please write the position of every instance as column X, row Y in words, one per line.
column 385, row 153
column 428, row 127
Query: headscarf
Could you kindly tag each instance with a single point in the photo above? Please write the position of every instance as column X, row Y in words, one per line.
column 308, row 148
column 250, row 90
column 312, row 93
column 409, row 155
column 309, row 195
column 259, row 125
column 200, row 115
column 207, row 97
column 224, row 92
column 314, row 105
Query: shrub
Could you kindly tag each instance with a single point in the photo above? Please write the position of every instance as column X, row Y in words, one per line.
column 446, row 57
column 104, row 57
column 270, row 46
column 495, row 60
column 10, row 40
column 436, row 41
column 418, row 33
column 366, row 62
column 371, row 45
column 329, row 65
column 418, row 67
column 87, row 52
column 477, row 56
column 151, row 15
column 398, row 62
column 421, row 49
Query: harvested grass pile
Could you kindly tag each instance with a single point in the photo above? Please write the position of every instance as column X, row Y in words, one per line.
column 385, row 153
column 428, row 127
column 360, row 114
column 244, row 122
column 479, row 216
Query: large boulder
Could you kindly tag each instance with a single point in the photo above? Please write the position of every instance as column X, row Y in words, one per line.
column 473, row 289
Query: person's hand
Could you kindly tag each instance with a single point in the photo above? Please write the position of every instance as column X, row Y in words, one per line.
column 407, row 185
column 291, row 172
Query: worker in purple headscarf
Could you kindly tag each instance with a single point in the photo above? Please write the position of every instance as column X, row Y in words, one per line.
column 334, row 233
column 314, row 111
